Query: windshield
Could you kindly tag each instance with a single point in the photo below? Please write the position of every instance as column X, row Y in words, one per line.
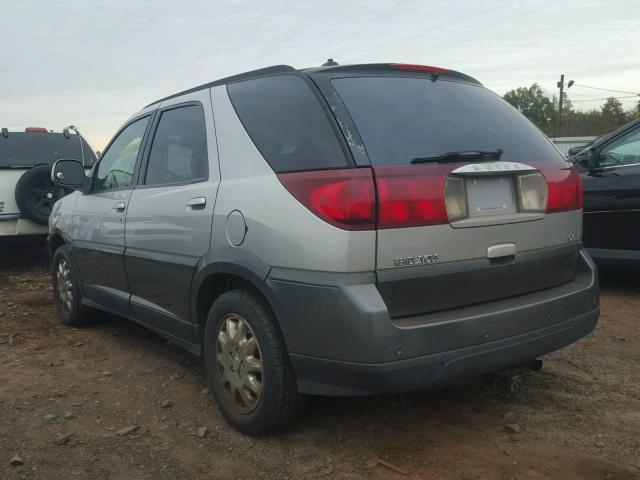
column 26, row 149
column 404, row 118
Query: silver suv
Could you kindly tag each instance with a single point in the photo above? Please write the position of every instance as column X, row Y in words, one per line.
column 346, row 230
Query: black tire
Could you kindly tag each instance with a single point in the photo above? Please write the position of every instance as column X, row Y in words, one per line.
column 35, row 194
column 279, row 401
column 72, row 313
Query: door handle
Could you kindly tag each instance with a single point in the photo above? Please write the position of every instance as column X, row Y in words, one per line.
column 197, row 203
column 119, row 207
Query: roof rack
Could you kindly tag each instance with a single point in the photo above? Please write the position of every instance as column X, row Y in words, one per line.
column 243, row 76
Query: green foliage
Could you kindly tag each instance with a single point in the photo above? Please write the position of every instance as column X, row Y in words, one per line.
column 533, row 104
column 543, row 112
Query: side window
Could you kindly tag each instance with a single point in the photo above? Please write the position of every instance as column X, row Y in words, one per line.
column 287, row 124
column 118, row 163
column 624, row 151
column 179, row 150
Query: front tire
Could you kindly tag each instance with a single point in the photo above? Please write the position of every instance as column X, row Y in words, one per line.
column 66, row 290
column 247, row 365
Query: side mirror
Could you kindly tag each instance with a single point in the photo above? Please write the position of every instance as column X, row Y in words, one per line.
column 68, row 173
column 586, row 159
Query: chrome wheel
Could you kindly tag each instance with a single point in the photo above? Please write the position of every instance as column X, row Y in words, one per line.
column 64, row 286
column 238, row 363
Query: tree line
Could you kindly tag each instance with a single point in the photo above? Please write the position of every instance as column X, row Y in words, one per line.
column 542, row 110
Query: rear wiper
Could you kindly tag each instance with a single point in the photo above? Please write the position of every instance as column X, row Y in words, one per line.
column 465, row 155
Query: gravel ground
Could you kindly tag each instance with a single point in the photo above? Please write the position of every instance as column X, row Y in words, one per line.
column 68, row 395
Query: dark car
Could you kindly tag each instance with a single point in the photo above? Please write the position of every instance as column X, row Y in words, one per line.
column 610, row 171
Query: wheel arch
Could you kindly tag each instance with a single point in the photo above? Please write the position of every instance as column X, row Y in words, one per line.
column 223, row 271
column 56, row 239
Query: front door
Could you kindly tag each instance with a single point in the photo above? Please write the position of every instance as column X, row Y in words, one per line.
column 168, row 225
column 612, row 196
column 98, row 220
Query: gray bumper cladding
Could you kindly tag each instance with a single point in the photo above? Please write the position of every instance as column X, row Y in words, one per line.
column 342, row 340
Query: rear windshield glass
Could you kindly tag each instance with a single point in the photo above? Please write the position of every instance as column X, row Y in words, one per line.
column 26, row 149
column 402, row 118
column 287, row 123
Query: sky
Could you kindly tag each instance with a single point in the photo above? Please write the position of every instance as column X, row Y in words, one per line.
column 94, row 64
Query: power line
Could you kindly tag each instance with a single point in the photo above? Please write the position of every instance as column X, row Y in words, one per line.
column 606, row 89
column 581, row 95
column 603, row 98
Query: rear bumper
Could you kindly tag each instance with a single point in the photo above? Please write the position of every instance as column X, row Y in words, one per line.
column 13, row 225
column 342, row 340
column 328, row 377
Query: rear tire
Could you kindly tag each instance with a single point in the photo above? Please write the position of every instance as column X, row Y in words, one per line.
column 247, row 365
column 66, row 290
column 36, row 194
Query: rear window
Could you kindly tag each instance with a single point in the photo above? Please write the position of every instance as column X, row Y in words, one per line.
column 22, row 149
column 402, row 118
column 287, row 124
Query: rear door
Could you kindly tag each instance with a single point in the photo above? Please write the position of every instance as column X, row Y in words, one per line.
column 168, row 226
column 98, row 219
column 612, row 196
column 451, row 221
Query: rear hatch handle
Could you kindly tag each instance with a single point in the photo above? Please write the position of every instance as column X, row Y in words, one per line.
column 502, row 250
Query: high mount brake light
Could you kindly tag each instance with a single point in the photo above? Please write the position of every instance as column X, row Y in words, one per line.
column 35, row 130
column 419, row 68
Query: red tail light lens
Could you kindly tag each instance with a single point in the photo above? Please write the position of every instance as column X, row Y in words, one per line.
column 344, row 198
column 411, row 195
column 35, row 129
column 565, row 190
column 419, row 68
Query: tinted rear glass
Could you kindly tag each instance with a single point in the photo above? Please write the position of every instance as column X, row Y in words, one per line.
column 402, row 118
column 287, row 123
column 22, row 149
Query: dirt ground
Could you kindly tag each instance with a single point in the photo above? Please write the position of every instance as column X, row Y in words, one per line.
column 65, row 392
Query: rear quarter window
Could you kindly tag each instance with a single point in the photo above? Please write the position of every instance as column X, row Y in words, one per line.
column 287, row 123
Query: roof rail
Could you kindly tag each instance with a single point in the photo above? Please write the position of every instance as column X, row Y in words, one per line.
column 242, row 76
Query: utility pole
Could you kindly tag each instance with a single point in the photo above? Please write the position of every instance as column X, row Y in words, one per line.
column 560, row 85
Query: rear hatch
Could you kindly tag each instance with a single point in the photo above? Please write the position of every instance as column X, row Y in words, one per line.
column 21, row 150
column 473, row 202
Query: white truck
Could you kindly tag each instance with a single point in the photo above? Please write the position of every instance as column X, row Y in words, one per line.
column 26, row 190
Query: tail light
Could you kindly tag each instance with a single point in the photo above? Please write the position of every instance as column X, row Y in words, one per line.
column 455, row 197
column 533, row 192
column 413, row 195
column 344, row 198
column 565, row 190
column 417, row 195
